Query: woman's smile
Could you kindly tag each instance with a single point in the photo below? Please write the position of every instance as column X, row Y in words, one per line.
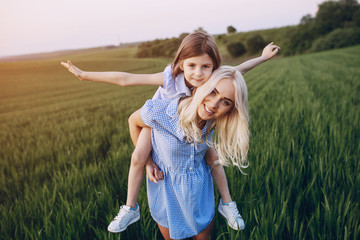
column 218, row 102
column 207, row 110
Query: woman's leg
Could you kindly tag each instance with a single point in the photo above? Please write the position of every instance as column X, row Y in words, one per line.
column 206, row 233
column 165, row 232
column 203, row 235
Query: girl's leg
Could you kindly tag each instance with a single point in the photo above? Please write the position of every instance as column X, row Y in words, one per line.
column 131, row 212
column 218, row 174
column 226, row 207
column 133, row 128
column 136, row 171
column 141, row 138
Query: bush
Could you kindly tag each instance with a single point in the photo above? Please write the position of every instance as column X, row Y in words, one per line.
column 300, row 38
column 160, row 47
column 337, row 39
column 255, row 43
column 144, row 50
column 236, row 49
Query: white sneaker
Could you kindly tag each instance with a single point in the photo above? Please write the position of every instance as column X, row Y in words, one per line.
column 125, row 217
column 232, row 215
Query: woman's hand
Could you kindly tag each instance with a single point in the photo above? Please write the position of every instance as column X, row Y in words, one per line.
column 153, row 172
column 73, row 69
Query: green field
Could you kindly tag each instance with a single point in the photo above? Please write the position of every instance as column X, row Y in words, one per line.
column 65, row 149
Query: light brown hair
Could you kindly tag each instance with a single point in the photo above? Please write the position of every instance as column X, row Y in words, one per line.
column 193, row 45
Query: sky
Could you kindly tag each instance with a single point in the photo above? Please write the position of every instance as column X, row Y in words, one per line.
column 34, row 26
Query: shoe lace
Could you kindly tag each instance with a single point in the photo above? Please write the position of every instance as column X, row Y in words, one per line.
column 122, row 212
column 234, row 211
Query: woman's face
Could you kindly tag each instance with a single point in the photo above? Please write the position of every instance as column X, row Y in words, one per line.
column 219, row 102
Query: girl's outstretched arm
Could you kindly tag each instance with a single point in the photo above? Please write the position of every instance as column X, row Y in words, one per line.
column 118, row 78
column 268, row 52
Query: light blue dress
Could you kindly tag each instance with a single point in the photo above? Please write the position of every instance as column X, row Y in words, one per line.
column 184, row 200
column 172, row 88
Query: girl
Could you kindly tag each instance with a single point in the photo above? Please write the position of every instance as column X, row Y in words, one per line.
column 195, row 60
column 183, row 203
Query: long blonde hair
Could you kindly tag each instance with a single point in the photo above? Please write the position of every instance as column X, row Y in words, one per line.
column 231, row 139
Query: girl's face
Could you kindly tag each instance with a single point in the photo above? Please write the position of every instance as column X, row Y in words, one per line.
column 219, row 102
column 197, row 70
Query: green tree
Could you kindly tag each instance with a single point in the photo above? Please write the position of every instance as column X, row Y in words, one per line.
column 356, row 17
column 200, row 29
column 183, row 35
column 307, row 19
column 231, row 29
column 349, row 2
column 332, row 15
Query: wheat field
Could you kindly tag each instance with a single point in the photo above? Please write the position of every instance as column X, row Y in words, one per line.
column 65, row 149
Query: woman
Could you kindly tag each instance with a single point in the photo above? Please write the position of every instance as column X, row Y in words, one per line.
column 183, row 203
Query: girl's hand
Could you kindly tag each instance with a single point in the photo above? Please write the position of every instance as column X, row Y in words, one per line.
column 73, row 69
column 153, row 172
column 269, row 51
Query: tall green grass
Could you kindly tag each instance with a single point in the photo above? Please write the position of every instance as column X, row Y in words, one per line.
column 65, row 149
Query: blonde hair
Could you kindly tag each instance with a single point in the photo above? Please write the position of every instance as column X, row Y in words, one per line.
column 231, row 138
column 193, row 45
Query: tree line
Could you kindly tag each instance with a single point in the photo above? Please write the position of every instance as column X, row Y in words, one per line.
column 336, row 25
